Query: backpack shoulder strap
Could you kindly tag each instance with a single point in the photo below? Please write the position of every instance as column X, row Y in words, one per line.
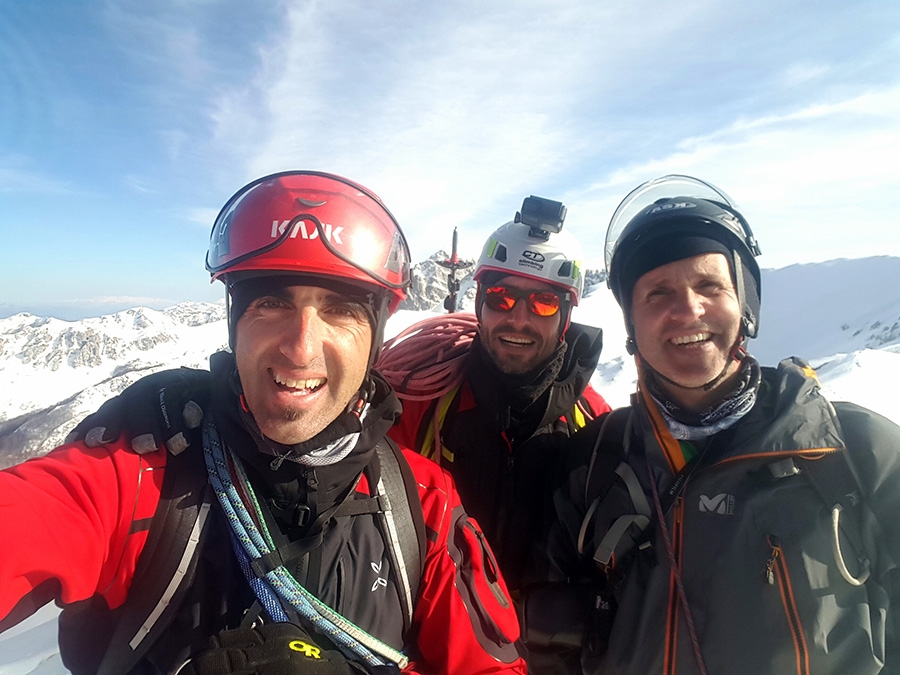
column 167, row 563
column 403, row 522
column 609, row 451
column 431, row 445
column 607, row 465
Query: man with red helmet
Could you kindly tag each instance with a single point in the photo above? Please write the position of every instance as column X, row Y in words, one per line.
column 514, row 386
column 291, row 536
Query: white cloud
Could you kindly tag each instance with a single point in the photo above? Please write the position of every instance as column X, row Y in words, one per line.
column 454, row 113
column 814, row 183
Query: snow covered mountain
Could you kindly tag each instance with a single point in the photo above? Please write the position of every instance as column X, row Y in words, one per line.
column 843, row 316
column 53, row 372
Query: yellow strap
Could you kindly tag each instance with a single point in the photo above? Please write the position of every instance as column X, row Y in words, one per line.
column 578, row 418
column 430, row 443
column 809, row 372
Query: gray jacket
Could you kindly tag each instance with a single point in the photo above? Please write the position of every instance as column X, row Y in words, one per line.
column 753, row 535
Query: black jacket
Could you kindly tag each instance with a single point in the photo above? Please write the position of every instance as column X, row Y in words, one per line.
column 504, row 454
column 752, row 533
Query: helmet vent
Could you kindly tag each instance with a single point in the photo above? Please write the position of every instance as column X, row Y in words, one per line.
column 500, row 253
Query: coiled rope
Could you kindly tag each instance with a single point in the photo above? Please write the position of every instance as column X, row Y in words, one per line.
column 426, row 360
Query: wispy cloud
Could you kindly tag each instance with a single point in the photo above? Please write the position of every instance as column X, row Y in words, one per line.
column 19, row 175
column 125, row 300
column 453, row 115
column 203, row 217
column 810, row 181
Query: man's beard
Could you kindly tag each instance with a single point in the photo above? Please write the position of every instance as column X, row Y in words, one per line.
column 511, row 365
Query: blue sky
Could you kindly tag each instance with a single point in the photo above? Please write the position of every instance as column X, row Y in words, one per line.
column 125, row 125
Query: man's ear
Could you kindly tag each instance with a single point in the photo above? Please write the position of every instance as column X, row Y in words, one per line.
column 479, row 301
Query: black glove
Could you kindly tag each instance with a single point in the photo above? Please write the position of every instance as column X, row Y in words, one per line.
column 159, row 408
column 269, row 649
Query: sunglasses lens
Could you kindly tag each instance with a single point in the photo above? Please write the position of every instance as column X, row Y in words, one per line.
column 541, row 303
column 498, row 299
column 544, row 304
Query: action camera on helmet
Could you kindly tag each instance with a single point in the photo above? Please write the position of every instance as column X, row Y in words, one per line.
column 543, row 216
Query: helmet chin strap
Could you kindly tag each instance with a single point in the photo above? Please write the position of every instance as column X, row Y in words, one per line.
column 737, row 353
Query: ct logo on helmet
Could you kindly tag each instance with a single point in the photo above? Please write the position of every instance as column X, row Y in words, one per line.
column 534, row 256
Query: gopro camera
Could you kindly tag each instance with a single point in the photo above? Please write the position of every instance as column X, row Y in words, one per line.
column 543, row 216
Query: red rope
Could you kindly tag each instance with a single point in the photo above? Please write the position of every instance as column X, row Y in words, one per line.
column 426, row 360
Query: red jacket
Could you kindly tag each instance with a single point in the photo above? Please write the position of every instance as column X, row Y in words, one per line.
column 506, row 481
column 74, row 524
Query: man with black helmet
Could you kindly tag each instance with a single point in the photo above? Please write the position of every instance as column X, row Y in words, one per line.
column 291, row 536
column 732, row 519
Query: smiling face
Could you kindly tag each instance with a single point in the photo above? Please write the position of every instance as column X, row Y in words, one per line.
column 686, row 320
column 519, row 341
column 302, row 353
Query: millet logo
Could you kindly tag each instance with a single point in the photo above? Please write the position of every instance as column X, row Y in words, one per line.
column 722, row 504
column 380, row 582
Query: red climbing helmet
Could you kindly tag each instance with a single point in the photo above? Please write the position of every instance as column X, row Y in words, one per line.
column 310, row 223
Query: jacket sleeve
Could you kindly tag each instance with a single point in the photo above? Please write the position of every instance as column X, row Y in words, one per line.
column 66, row 526
column 464, row 621
column 874, row 446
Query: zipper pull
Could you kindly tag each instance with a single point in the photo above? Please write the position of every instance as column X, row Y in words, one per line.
column 770, row 563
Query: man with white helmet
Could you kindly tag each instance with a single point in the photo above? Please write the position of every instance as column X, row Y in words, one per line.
column 524, row 386
column 291, row 536
column 732, row 520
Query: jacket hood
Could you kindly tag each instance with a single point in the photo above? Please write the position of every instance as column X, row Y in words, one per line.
column 585, row 345
column 788, row 396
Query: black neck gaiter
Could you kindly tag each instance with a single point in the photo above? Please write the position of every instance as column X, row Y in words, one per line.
column 517, row 401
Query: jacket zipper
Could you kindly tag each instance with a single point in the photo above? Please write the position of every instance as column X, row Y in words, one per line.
column 671, row 654
column 503, row 491
column 777, row 573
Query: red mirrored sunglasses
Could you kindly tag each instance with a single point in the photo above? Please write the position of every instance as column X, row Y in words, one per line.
column 503, row 299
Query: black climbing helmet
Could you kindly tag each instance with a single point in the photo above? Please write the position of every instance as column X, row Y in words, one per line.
column 676, row 217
